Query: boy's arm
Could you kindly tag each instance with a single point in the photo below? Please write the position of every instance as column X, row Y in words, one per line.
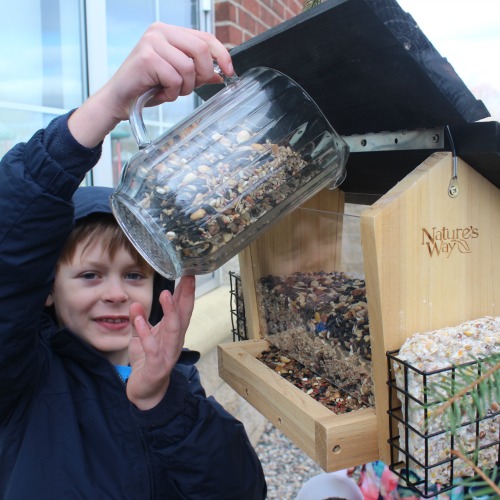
column 36, row 215
column 172, row 58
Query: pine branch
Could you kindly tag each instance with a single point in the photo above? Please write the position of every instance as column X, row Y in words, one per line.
column 460, row 394
column 309, row 4
column 478, row 471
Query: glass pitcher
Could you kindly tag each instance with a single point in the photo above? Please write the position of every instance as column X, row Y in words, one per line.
column 194, row 197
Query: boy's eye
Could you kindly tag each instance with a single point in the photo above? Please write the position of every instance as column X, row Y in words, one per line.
column 89, row 275
column 134, row 276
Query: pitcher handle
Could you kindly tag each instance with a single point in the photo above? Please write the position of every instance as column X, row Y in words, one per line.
column 136, row 120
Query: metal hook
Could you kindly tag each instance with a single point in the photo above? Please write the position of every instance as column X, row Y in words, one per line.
column 453, row 189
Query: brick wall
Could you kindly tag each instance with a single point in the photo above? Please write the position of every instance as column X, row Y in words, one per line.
column 239, row 20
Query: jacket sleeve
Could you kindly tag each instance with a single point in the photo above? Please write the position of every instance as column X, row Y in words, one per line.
column 204, row 452
column 37, row 181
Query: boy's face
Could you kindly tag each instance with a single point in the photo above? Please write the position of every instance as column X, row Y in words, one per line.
column 92, row 296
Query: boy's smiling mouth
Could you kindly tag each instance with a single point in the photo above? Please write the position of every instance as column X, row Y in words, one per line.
column 113, row 323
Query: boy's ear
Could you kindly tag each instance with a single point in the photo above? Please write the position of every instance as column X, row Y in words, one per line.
column 50, row 301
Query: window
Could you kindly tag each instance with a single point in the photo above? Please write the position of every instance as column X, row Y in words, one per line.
column 53, row 58
column 42, row 73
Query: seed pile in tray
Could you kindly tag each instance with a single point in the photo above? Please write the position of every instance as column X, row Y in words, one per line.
column 211, row 187
column 321, row 320
column 309, row 382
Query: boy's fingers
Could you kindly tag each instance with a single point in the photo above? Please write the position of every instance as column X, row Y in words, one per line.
column 137, row 316
column 218, row 52
column 174, row 70
column 141, row 326
column 170, row 315
column 185, row 47
column 184, row 296
column 199, row 45
column 185, row 288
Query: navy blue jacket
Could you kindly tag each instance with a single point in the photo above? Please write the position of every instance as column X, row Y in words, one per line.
column 67, row 429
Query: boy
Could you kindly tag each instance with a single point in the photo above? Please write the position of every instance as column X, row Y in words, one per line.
column 95, row 400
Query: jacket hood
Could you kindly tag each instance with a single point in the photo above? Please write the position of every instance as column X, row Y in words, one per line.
column 90, row 200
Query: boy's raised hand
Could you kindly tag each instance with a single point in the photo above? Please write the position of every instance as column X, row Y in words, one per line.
column 156, row 349
column 172, row 58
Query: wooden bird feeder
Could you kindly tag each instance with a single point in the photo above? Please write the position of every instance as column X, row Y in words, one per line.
column 426, row 171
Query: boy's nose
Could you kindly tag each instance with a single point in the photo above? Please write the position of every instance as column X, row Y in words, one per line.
column 115, row 292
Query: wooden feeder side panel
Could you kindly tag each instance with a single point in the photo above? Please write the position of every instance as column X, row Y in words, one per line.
column 431, row 261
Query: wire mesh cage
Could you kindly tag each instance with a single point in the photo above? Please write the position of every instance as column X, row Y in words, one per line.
column 444, row 424
column 237, row 305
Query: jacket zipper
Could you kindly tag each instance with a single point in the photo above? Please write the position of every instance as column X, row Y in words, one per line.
column 139, row 430
column 142, row 439
column 148, row 462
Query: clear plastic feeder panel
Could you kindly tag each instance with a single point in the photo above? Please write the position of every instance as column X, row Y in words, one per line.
column 313, row 305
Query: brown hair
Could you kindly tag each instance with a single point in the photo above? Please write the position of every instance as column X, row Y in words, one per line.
column 105, row 228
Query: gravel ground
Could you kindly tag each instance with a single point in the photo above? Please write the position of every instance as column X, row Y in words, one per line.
column 285, row 466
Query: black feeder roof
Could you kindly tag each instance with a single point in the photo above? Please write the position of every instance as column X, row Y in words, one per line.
column 371, row 69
